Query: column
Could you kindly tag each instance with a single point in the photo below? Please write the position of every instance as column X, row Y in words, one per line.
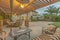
column 27, row 21
column 1, row 25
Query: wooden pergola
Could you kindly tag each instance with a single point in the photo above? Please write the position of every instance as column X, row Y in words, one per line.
column 13, row 6
column 16, row 6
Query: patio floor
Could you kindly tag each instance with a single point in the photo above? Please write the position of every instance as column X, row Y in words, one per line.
column 36, row 28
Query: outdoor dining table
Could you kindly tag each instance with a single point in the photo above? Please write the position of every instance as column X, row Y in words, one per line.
column 15, row 35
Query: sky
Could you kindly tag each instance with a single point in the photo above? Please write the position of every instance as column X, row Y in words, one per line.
column 41, row 10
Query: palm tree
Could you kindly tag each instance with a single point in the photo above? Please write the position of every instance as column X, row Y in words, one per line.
column 57, row 10
column 51, row 10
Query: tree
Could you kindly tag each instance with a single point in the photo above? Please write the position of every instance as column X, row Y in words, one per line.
column 52, row 10
column 57, row 10
column 46, row 16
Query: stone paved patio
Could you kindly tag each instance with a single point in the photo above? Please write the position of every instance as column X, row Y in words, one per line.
column 36, row 30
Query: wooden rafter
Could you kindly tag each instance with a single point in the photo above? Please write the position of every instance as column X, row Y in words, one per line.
column 32, row 5
column 42, row 5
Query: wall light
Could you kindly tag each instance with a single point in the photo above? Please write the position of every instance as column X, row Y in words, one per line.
column 22, row 6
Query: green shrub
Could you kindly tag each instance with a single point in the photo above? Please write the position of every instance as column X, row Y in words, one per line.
column 58, row 18
column 34, row 19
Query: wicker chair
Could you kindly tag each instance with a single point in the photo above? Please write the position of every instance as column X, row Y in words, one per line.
column 17, row 24
column 46, row 34
column 56, row 35
column 3, row 35
column 50, row 30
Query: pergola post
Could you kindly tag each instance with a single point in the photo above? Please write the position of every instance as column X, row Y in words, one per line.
column 11, row 7
column 1, row 25
column 27, row 21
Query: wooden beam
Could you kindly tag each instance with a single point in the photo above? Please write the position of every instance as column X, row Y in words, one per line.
column 45, row 4
column 28, row 8
column 41, row 5
column 2, row 10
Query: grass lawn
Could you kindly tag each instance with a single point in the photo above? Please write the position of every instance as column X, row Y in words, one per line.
column 57, row 24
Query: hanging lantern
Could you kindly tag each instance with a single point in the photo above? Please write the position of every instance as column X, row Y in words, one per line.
column 23, row 1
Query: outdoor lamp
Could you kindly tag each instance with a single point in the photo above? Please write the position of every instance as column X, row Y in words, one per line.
column 22, row 5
